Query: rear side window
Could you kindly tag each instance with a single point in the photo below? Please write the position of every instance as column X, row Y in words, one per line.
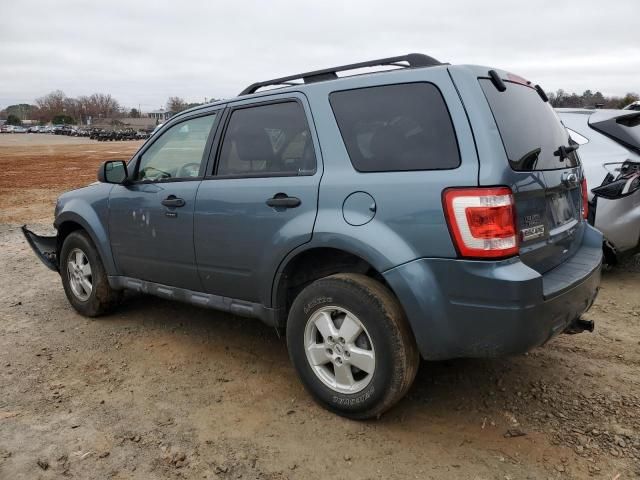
column 531, row 131
column 267, row 140
column 396, row 128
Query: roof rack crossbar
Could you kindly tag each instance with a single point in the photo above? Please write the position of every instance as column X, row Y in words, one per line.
column 413, row 60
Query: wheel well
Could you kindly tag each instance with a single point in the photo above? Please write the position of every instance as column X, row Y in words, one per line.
column 64, row 230
column 312, row 265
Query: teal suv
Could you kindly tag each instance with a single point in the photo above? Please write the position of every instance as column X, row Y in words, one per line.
column 421, row 210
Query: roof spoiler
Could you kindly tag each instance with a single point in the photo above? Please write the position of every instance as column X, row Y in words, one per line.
column 623, row 128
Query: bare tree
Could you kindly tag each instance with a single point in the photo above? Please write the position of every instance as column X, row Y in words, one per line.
column 176, row 104
column 103, row 105
column 51, row 105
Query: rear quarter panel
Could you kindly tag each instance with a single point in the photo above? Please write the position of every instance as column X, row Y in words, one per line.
column 409, row 222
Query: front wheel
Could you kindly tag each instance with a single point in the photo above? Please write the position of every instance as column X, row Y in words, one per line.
column 351, row 345
column 84, row 278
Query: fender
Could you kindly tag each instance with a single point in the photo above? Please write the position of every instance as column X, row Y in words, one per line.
column 92, row 217
column 367, row 242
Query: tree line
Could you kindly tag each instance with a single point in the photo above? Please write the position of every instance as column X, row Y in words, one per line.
column 57, row 108
column 588, row 99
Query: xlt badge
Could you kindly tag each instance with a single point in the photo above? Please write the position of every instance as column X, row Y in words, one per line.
column 532, row 232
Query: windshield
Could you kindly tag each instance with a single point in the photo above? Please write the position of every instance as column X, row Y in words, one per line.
column 531, row 132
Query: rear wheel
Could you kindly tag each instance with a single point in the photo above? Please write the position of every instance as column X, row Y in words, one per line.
column 84, row 278
column 351, row 345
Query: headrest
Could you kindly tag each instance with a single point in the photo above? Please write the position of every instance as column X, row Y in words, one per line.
column 252, row 144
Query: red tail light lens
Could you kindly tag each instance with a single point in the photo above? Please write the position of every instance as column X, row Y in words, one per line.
column 585, row 199
column 482, row 221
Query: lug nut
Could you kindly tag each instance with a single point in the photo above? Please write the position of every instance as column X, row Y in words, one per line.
column 342, row 340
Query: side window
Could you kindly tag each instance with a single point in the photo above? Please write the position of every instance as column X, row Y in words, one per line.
column 396, row 128
column 178, row 152
column 267, row 140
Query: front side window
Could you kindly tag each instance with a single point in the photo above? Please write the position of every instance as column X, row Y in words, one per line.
column 396, row 128
column 267, row 140
column 178, row 153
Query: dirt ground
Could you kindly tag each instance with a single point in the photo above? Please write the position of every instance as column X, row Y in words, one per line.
column 162, row 390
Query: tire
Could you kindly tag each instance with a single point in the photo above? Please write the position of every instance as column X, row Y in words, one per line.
column 77, row 251
column 381, row 332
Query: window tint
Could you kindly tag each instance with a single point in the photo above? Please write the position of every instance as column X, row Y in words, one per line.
column 531, row 131
column 178, row 152
column 396, row 127
column 267, row 140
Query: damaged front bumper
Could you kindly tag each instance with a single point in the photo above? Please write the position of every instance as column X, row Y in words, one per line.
column 46, row 248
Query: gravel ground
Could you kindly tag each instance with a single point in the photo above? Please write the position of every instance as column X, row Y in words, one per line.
column 163, row 390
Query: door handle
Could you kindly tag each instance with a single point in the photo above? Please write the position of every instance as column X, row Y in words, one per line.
column 282, row 200
column 173, row 201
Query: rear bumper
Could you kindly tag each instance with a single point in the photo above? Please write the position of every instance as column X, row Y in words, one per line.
column 44, row 247
column 463, row 308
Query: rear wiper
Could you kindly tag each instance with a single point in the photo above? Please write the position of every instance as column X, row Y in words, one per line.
column 564, row 151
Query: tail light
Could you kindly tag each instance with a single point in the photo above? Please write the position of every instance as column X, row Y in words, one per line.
column 585, row 199
column 482, row 221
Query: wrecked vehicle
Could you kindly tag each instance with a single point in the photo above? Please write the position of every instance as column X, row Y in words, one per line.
column 610, row 153
column 429, row 210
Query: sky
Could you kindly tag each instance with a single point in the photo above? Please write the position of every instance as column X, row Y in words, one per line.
column 142, row 52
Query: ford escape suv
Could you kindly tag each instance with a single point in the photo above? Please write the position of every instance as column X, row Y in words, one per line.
column 429, row 210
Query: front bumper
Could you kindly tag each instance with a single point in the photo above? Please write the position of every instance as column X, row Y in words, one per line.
column 45, row 248
column 464, row 308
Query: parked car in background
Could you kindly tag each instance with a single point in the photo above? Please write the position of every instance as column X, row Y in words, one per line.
column 19, row 129
column 435, row 210
column 610, row 153
column 633, row 106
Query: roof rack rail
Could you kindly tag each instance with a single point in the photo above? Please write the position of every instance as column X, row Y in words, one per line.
column 413, row 60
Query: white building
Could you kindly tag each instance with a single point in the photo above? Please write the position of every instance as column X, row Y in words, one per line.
column 161, row 115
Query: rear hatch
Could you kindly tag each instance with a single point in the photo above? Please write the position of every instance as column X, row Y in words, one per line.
column 544, row 175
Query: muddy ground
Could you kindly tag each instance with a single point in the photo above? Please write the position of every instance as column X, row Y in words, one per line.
column 162, row 390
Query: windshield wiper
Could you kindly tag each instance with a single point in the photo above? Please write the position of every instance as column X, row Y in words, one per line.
column 564, row 151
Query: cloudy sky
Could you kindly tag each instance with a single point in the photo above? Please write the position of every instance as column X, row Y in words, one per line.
column 142, row 52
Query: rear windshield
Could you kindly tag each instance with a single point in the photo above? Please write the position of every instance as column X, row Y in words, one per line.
column 531, row 131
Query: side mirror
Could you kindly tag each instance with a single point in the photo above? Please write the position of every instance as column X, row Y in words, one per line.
column 113, row 171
